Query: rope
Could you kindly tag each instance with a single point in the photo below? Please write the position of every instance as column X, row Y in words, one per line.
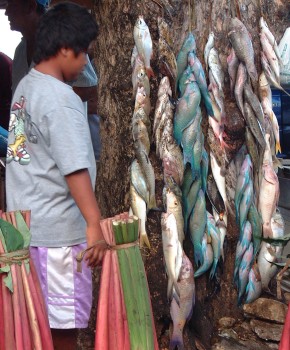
column 80, row 255
column 14, row 257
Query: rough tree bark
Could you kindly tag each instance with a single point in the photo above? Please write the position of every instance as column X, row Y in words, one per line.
column 115, row 42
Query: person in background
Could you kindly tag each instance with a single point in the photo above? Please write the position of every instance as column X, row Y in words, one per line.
column 5, row 89
column 93, row 117
column 55, row 178
column 24, row 16
column 5, row 100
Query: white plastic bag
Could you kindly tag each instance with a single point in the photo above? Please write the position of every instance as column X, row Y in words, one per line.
column 284, row 49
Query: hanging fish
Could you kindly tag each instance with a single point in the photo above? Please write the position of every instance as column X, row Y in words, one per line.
column 197, row 225
column 256, row 223
column 242, row 182
column 199, row 75
column 244, row 270
column 242, row 44
column 208, row 46
column 271, row 55
column 270, row 74
column 189, row 45
column 265, row 29
column 138, row 207
column 189, row 201
column 214, row 233
column 254, row 286
column 139, row 182
column 242, row 245
column 173, row 205
column 172, row 252
column 142, row 100
column 239, row 86
column 186, row 110
column 207, row 253
column 269, row 192
column 216, row 69
column 233, row 64
column 181, row 313
column 143, row 43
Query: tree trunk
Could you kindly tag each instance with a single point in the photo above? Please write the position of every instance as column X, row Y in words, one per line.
column 115, row 42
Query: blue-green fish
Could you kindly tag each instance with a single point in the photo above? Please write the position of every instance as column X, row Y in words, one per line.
column 186, row 109
column 207, row 253
column 189, row 201
column 204, row 168
column 199, row 75
column 254, row 286
column 214, row 234
column 244, row 271
column 246, row 201
column 189, row 45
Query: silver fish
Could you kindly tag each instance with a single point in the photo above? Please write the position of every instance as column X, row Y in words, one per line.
column 216, row 68
column 233, row 64
column 173, row 205
column 143, row 43
column 242, row 44
column 181, row 313
column 138, row 206
column 172, row 252
column 209, row 44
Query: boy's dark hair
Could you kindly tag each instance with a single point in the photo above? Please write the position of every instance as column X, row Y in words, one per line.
column 65, row 25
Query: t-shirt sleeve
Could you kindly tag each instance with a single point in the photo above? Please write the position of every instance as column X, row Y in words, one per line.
column 69, row 140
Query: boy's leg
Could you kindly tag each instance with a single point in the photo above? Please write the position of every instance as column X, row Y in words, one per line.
column 64, row 339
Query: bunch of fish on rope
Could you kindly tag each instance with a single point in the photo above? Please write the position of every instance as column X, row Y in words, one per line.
column 256, row 164
column 191, row 175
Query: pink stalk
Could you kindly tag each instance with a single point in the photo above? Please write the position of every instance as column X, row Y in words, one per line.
column 111, row 309
column 118, row 303
column 102, row 331
column 34, row 277
column 2, row 334
column 34, row 326
column 16, row 310
column 41, row 315
column 23, row 311
column 7, row 313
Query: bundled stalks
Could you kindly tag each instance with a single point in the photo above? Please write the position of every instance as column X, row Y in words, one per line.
column 23, row 319
column 124, row 318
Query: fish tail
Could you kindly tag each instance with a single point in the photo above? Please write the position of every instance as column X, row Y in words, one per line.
column 278, row 147
column 144, row 240
column 152, row 202
column 213, row 269
column 176, row 341
column 198, row 257
column 150, row 72
column 267, row 231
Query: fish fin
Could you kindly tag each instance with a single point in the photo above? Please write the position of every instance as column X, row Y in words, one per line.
column 150, row 72
column 152, row 203
column 176, row 342
column 278, row 147
column 213, row 269
column 144, row 240
column 198, row 257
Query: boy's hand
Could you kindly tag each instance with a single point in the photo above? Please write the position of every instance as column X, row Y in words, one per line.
column 95, row 255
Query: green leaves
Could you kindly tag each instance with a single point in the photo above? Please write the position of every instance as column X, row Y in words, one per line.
column 13, row 238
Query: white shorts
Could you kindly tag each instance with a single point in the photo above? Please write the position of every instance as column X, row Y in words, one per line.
column 67, row 293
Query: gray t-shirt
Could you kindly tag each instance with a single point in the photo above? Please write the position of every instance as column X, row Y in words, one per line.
column 48, row 138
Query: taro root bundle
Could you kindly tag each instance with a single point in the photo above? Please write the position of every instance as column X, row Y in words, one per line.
column 23, row 317
column 124, row 318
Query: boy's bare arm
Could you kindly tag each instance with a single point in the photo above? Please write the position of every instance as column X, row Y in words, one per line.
column 81, row 189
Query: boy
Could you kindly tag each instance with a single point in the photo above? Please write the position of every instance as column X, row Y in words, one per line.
column 51, row 169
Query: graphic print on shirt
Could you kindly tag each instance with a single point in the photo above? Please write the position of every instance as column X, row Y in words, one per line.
column 16, row 151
